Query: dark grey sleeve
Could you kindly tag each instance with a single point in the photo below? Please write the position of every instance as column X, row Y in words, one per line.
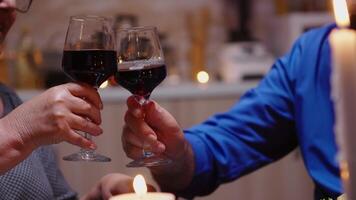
column 9, row 99
column 60, row 187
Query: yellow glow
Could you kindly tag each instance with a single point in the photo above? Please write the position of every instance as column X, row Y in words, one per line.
column 345, row 173
column 203, row 77
column 341, row 13
column 104, row 85
column 139, row 185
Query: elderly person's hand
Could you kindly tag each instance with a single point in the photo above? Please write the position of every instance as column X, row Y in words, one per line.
column 153, row 125
column 55, row 116
column 111, row 185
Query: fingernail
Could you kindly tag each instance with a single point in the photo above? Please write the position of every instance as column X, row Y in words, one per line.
column 152, row 137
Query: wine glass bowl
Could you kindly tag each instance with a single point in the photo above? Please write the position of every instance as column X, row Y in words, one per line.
column 89, row 56
column 141, row 68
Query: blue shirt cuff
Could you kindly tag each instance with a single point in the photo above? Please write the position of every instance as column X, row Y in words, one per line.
column 201, row 183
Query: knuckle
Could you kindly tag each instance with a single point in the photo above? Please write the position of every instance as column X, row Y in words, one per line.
column 58, row 98
column 59, row 114
column 96, row 115
column 59, row 123
column 83, row 123
column 146, row 132
column 87, row 107
column 61, row 126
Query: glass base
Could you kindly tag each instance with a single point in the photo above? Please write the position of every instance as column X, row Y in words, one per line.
column 87, row 155
column 151, row 161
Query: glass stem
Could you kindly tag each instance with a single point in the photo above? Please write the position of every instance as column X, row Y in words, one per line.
column 146, row 151
column 88, row 152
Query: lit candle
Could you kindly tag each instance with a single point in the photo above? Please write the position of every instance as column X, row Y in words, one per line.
column 141, row 193
column 343, row 44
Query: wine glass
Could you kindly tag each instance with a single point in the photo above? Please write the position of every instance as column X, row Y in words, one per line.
column 141, row 68
column 89, row 57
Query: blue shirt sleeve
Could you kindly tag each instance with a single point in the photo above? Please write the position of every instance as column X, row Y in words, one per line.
column 257, row 130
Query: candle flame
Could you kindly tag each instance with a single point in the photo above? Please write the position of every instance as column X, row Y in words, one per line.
column 341, row 13
column 139, row 185
column 203, row 77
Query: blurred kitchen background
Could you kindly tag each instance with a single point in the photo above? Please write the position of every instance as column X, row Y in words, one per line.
column 231, row 42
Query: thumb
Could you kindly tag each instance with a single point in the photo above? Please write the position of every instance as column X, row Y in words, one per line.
column 159, row 118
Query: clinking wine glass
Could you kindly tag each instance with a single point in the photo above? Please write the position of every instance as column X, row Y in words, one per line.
column 141, row 68
column 89, row 57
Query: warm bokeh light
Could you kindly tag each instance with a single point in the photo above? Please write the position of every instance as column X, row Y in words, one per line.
column 203, row 77
column 341, row 13
column 344, row 168
column 139, row 185
column 104, row 85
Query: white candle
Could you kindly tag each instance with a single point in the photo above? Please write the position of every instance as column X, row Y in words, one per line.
column 141, row 193
column 147, row 196
column 343, row 44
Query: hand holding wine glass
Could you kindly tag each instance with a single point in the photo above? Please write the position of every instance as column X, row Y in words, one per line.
column 141, row 68
column 89, row 57
column 172, row 143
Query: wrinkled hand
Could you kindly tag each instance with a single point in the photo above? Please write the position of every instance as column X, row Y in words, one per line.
column 111, row 185
column 55, row 115
column 152, row 125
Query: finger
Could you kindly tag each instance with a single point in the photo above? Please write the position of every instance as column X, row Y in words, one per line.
column 160, row 119
column 94, row 194
column 82, row 124
column 129, row 137
column 140, row 128
column 106, row 194
column 132, row 151
column 78, row 140
column 83, row 108
column 90, row 94
column 121, row 185
column 134, row 107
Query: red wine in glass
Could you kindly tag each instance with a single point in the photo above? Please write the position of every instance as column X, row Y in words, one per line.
column 141, row 68
column 142, row 82
column 89, row 56
column 92, row 67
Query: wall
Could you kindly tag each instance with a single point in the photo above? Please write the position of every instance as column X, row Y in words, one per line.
column 48, row 21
